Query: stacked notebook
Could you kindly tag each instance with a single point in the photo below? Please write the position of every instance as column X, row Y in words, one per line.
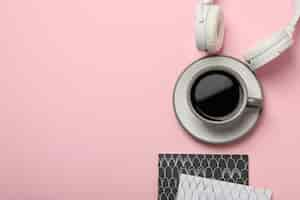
column 202, row 177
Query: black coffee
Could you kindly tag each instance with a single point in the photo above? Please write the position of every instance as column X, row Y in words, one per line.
column 215, row 95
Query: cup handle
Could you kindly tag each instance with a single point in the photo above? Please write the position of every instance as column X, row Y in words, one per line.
column 254, row 103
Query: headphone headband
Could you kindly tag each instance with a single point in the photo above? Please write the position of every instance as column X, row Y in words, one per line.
column 295, row 19
column 207, row 1
column 297, row 6
column 272, row 48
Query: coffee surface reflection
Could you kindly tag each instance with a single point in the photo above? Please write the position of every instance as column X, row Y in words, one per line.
column 215, row 95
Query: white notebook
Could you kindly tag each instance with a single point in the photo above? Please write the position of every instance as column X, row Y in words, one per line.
column 197, row 188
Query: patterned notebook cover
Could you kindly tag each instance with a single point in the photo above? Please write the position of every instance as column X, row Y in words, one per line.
column 231, row 168
column 197, row 188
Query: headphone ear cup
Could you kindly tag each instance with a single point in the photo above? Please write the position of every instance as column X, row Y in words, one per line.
column 214, row 29
column 200, row 29
column 269, row 49
column 209, row 28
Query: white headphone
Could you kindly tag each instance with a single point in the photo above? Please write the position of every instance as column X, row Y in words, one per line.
column 210, row 34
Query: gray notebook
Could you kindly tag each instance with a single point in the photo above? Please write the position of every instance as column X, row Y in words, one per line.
column 230, row 168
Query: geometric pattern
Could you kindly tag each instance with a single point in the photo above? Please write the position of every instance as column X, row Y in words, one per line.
column 230, row 168
column 197, row 188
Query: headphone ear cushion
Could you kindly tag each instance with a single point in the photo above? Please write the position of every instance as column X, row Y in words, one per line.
column 214, row 29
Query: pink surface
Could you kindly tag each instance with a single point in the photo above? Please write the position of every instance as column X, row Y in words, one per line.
column 86, row 91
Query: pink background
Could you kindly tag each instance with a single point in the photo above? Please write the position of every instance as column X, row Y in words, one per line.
column 86, row 89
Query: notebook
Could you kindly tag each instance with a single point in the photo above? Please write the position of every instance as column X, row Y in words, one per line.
column 197, row 188
column 230, row 168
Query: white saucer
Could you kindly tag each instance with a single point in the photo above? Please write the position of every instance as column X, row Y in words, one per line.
column 222, row 133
